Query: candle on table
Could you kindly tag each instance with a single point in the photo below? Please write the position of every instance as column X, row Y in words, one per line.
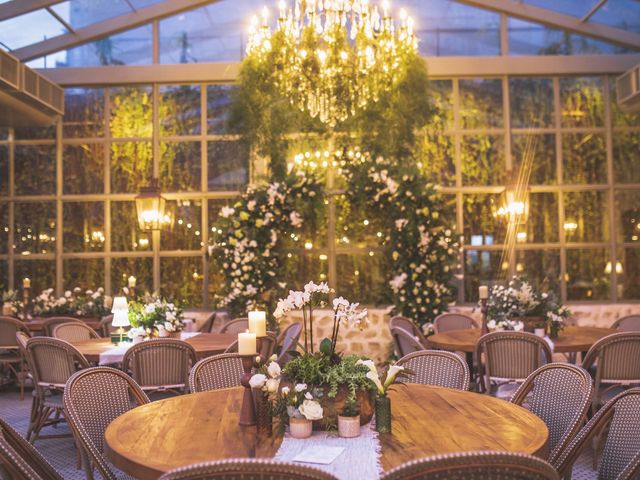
column 26, row 283
column 258, row 323
column 483, row 292
column 247, row 343
column 132, row 282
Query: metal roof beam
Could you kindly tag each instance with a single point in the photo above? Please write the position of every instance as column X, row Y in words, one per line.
column 559, row 20
column 15, row 8
column 107, row 27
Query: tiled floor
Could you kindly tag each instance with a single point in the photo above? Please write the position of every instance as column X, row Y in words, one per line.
column 61, row 451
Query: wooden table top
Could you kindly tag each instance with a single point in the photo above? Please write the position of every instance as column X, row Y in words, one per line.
column 206, row 345
column 154, row 438
column 571, row 339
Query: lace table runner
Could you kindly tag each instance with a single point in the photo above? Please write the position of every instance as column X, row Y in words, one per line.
column 361, row 454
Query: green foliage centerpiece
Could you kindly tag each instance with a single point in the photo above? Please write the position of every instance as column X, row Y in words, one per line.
column 154, row 316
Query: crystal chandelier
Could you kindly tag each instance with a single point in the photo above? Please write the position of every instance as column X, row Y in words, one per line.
column 332, row 58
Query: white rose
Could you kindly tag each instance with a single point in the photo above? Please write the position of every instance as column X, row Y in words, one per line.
column 67, row 294
column 274, row 370
column 272, row 385
column 300, row 387
column 311, row 410
column 285, row 391
column 258, row 380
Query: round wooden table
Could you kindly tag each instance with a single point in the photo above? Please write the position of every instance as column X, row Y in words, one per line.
column 206, row 345
column 154, row 438
column 570, row 340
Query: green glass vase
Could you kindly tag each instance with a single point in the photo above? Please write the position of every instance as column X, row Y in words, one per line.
column 383, row 414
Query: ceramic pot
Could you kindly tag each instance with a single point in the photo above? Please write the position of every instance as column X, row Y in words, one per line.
column 349, row 427
column 300, row 427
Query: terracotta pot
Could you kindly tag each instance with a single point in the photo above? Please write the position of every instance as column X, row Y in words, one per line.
column 531, row 323
column 349, row 427
column 300, row 427
column 333, row 406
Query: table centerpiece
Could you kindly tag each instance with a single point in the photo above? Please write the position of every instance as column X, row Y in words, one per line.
column 154, row 316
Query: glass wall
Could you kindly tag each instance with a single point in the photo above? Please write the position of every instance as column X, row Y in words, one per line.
column 67, row 211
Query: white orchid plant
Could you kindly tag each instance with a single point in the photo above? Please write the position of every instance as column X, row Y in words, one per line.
column 383, row 383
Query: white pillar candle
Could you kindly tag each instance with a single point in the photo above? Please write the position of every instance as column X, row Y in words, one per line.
column 132, row 282
column 247, row 343
column 258, row 323
column 483, row 292
column 26, row 283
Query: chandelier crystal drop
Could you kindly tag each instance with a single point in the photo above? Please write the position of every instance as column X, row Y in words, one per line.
column 332, row 58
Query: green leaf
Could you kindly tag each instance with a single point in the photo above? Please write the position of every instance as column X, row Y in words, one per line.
column 325, row 346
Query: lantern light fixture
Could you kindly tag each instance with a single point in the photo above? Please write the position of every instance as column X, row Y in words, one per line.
column 151, row 208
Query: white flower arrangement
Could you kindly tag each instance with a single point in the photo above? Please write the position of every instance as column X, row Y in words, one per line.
column 73, row 302
column 382, row 385
column 157, row 314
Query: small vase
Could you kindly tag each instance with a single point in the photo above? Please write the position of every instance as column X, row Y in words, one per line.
column 349, row 427
column 553, row 331
column 383, row 414
column 264, row 422
column 300, row 427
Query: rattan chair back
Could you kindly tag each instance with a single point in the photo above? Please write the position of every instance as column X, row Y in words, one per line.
column 219, row 371
column 404, row 342
column 235, row 326
column 92, row 400
column 267, row 347
column 560, row 394
column 21, row 339
column 21, row 459
column 160, row 364
column 49, row 324
column 620, row 419
column 409, row 325
column 247, row 468
column 510, row 356
column 446, row 322
column 74, row 332
column 630, row 323
column 288, row 341
column 207, row 326
column 105, row 326
column 9, row 326
column 52, row 361
column 436, row 367
column 475, row 465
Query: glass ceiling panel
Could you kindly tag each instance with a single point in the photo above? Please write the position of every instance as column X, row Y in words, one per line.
column 144, row 3
column 30, row 28
column 624, row 14
column 577, row 8
column 80, row 13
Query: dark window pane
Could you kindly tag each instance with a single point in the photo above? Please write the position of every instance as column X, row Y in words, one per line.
column 581, row 101
column 131, row 112
column 586, row 218
column 179, row 110
column 181, row 279
column 42, row 274
column 4, row 133
column 584, row 158
column 83, row 112
column 85, row 273
column 35, row 169
column 540, row 152
column 139, row 267
column 125, row 234
column 628, row 215
column 620, row 118
column 4, row 170
column 83, row 226
column 300, row 268
column 629, row 277
column 354, row 227
column 228, row 165
column 35, row 133
column 186, row 232
column 542, row 268
column 218, row 102
column 4, row 276
column 588, row 276
column 131, row 166
column 626, row 157
column 481, row 267
column 482, row 160
column 531, row 101
column 4, row 227
column 35, row 227
column 180, row 166
column 364, row 277
column 480, row 225
column 481, row 103
column 83, row 168
column 542, row 224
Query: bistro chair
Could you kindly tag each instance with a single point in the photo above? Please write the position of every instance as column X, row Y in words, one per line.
column 446, row 322
column 267, row 348
column 245, row 469
column 475, row 465
column 105, row 326
column 92, row 400
column 287, row 342
column 410, row 326
column 207, row 326
column 404, row 342
column 619, row 419
column 11, row 356
column 74, row 332
column 160, row 365
column 436, row 367
column 612, row 357
column 219, row 371
column 51, row 361
column 630, row 323
column 21, row 459
column 560, row 394
column 509, row 357
column 235, row 326
column 49, row 324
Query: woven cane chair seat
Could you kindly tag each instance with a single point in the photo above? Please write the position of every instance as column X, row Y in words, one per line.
column 435, row 367
column 219, row 371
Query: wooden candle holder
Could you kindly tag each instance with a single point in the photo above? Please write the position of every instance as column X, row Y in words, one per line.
column 248, row 411
column 26, row 298
column 484, row 309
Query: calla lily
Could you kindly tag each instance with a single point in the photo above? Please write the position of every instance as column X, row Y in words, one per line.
column 369, row 364
column 391, row 374
column 373, row 376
